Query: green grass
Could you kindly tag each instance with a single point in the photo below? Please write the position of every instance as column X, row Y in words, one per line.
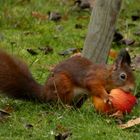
column 19, row 31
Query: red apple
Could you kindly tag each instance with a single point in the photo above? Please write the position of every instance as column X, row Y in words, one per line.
column 121, row 101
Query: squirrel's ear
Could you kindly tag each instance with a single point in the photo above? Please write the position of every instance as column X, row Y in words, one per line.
column 122, row 58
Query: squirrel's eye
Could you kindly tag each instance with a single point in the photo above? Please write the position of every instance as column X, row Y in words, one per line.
column 123, row 76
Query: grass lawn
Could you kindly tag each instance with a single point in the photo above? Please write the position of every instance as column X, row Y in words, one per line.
column 24, row 24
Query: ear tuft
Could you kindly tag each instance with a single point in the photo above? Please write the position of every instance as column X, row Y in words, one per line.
column 124, row 55
column 122, row 58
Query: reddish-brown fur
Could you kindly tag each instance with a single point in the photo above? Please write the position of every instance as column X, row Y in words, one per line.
column 71, row 81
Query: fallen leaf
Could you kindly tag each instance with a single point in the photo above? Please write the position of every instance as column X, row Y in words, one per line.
column 62, row 132
column 63, row 136
column 31, row 51
column 127, row 42
column 130, row 123
column 82, row 17
column 55, row 16
column 113, row 54
column 65, row 17
column 60, row 128
column 47, row 49
column 70, row 51
column 39, row 16
column 117, row 115
column 84, row 4
column 8, row 109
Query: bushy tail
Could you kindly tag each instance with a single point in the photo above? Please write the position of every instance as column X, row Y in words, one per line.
column 16, row 80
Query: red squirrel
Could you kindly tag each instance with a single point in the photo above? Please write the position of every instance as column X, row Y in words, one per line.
column 71, row 82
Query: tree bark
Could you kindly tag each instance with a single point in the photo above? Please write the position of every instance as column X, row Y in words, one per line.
column 101, row 30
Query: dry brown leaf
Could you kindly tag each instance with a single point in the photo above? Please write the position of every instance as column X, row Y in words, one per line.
column 63, row 136
column 113, row 54
column 8, row 109
column 65, row 17
column 82, row 17
column 39, row 16
column 62, row 132
column 127, row 42
column 130, row 123
column 117, row 115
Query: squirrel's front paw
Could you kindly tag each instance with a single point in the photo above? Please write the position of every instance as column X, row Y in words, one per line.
column 107, row 100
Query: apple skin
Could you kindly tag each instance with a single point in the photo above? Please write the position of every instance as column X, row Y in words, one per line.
column 100, row 106
column 121, row 101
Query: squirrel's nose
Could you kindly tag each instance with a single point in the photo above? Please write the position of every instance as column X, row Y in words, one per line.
column 129, row 88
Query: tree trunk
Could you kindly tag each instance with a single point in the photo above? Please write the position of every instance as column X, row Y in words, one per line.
column 101, row 30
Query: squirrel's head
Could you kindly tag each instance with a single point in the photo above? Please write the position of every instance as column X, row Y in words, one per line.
column 122, row 74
